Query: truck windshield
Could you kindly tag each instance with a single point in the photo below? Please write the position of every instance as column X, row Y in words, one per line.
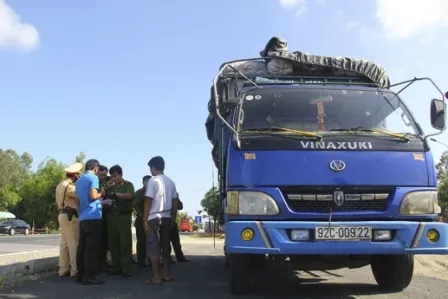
column 325, row 110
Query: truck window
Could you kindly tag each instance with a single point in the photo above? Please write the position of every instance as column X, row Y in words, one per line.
column 297, row 108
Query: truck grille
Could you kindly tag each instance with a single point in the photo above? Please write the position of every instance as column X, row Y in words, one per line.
column 320, row 199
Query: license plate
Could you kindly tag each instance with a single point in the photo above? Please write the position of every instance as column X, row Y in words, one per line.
column 343, row 233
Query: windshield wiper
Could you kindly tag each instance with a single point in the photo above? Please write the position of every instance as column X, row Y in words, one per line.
column 263, row 130
column 373, row 130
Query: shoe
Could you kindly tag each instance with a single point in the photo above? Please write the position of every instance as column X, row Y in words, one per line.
column 64, row 275
column 92, row 281
column 183, row 260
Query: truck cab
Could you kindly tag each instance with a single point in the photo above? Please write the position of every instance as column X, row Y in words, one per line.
column 324, row 168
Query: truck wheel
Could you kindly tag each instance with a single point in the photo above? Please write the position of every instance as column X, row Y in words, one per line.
column 239, row 268
column 393, row 272
column 258, row 261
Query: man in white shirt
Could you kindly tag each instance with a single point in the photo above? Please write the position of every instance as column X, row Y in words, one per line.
column 159, row 216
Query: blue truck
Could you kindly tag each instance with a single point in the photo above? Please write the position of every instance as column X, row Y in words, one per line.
column 322, row 166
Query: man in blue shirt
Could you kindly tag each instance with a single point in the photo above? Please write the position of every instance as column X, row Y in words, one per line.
column 90, row 221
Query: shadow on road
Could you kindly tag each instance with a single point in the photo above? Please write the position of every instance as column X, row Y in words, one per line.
column 204, row 277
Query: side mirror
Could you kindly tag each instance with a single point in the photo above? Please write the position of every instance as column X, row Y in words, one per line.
column 437, row 114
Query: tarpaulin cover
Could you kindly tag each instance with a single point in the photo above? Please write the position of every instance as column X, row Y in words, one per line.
column 282, row 62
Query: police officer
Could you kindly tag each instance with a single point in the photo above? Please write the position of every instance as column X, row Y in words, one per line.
column 175, row 238
column 139, row 203
column 68, row 206
column 120, row 222
column 104, row 179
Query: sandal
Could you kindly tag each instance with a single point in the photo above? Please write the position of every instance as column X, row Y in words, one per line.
column 153, row 281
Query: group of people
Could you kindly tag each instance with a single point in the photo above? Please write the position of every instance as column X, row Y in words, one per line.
column 95, row 217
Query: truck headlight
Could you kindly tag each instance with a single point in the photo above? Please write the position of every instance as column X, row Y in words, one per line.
column 420, row 202
column 250, row 203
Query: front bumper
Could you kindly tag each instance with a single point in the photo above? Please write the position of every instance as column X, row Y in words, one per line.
column 271, row 237
column 4, row 230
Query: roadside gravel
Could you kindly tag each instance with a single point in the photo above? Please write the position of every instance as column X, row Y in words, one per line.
column 435, row 266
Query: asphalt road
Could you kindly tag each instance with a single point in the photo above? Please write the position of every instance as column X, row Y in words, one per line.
column 206, row 277
column 21, row 243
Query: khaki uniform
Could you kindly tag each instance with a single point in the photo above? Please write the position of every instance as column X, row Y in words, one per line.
column 139, row 199
column 119, row 229
column 66, row 197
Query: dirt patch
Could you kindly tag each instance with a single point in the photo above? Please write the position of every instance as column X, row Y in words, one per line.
column 206, row 235
column 432, row 266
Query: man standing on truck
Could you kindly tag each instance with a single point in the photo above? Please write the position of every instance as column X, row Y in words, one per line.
column 159, row 213
column 68, row 206
column 139, row 205
column 120, row 222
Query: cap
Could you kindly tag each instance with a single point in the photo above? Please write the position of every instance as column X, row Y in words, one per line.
column 74, row 168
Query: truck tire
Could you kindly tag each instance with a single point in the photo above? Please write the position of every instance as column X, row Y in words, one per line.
column 239, row 270
column 258, row 261
column 226, row 256
column 393, row 272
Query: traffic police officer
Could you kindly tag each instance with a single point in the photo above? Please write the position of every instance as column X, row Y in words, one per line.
column 68, row 206
column 120, row 222
column 139, row 201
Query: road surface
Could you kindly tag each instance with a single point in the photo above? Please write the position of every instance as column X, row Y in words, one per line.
column 21, row 243
column 206, row 277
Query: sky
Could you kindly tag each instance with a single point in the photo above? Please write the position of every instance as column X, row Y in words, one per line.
column 124, row 82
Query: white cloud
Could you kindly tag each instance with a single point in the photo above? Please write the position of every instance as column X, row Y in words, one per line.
column 401, row 19
column 300, row 6
column 14, row 33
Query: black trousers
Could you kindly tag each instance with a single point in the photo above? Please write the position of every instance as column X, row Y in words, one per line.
column 104, row 246
column 175, row 242
column 88, row 248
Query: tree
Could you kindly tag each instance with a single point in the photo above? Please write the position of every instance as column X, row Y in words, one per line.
column 212, row 203
column 15, row 170
column 443, row 192
column 80, row 158
column 442, row 179
column 442, row 166
column 38, row 193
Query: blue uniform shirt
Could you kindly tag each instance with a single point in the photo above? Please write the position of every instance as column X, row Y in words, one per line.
column 88, row 209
